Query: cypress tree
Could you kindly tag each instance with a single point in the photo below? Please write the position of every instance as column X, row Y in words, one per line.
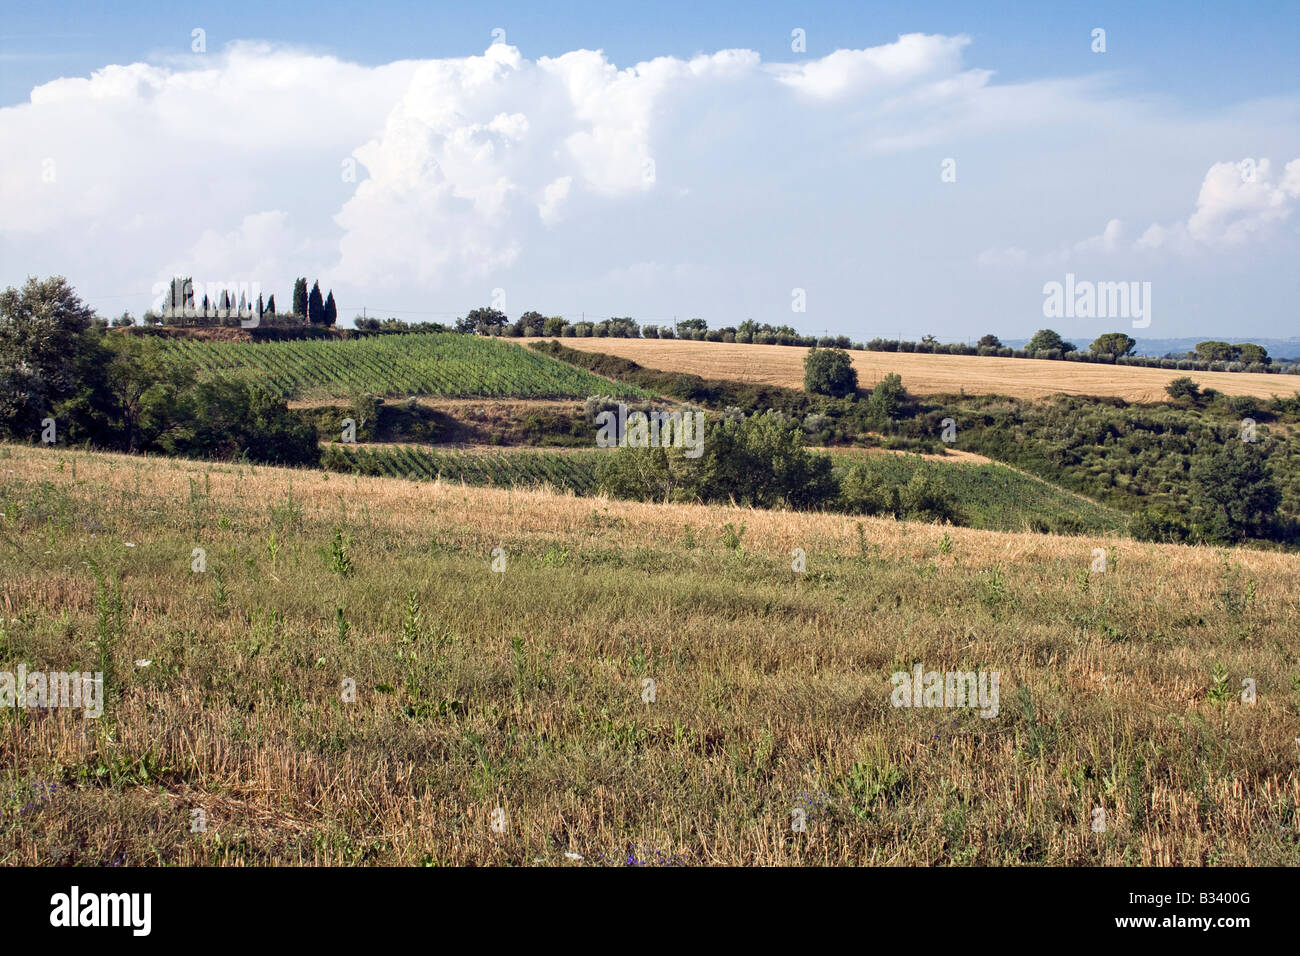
column 331, row 310
column 300, row 297
column 315, row 306
column 270, row 305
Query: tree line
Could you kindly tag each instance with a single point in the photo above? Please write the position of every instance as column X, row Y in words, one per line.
column 231, row 305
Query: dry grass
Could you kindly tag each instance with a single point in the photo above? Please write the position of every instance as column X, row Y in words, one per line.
column 931, row 374
column 522, row 690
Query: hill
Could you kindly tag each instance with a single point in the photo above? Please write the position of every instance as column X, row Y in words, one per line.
column 925, row 374
column 444, row 364
column 347, row 681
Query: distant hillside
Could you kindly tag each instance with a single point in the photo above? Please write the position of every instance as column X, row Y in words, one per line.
column 925, row 374
column 1277, row 348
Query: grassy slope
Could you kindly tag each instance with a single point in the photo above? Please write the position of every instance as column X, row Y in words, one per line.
column 523, row 690
column 930, row 374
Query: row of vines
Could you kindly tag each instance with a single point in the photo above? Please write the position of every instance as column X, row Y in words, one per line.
column 567, row 471
column 449, row 365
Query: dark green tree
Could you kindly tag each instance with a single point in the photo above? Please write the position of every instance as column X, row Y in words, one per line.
column 1216, row 351
column 1233, row 494
column 180, row 297
column 1113, row 343
column 1250, row 353
column 829, row 372
column 300, row 297
column 52, row 363
column 887, row 399
column 315, row 306
column 532, row 323
column 1045, row 340
column 331, row 310
column 483, row 321
column 757, row 461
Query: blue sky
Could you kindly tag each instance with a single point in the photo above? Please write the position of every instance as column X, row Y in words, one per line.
column 1198, row 53
column 709, row 184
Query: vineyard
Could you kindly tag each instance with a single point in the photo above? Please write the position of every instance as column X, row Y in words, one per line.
column 991, row 497
column 567, row 471
column 995, row 497
column 455, row 366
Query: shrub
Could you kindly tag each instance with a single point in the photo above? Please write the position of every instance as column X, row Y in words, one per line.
column 924, row 498
column 1233, row 494
column 887, row 399
column 862, row 492
column 758, row 461
column 1158, row 524
column 829, row 371
column 1183, row 388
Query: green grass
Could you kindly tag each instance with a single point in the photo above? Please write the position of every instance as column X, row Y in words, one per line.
column 443, row 364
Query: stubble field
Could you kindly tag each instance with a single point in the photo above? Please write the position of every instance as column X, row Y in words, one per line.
column 925, row 374
column 503, row 717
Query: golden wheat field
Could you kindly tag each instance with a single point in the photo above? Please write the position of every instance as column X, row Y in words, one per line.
column 930, row 374
column 504, row 716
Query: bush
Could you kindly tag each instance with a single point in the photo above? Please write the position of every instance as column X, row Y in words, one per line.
column 758, row 461
column 1183, row 387
column 887, row 399
column 862, row 492
column 1233, row 494
column 924, row 498
column 829, row 371
column 1158, row 524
